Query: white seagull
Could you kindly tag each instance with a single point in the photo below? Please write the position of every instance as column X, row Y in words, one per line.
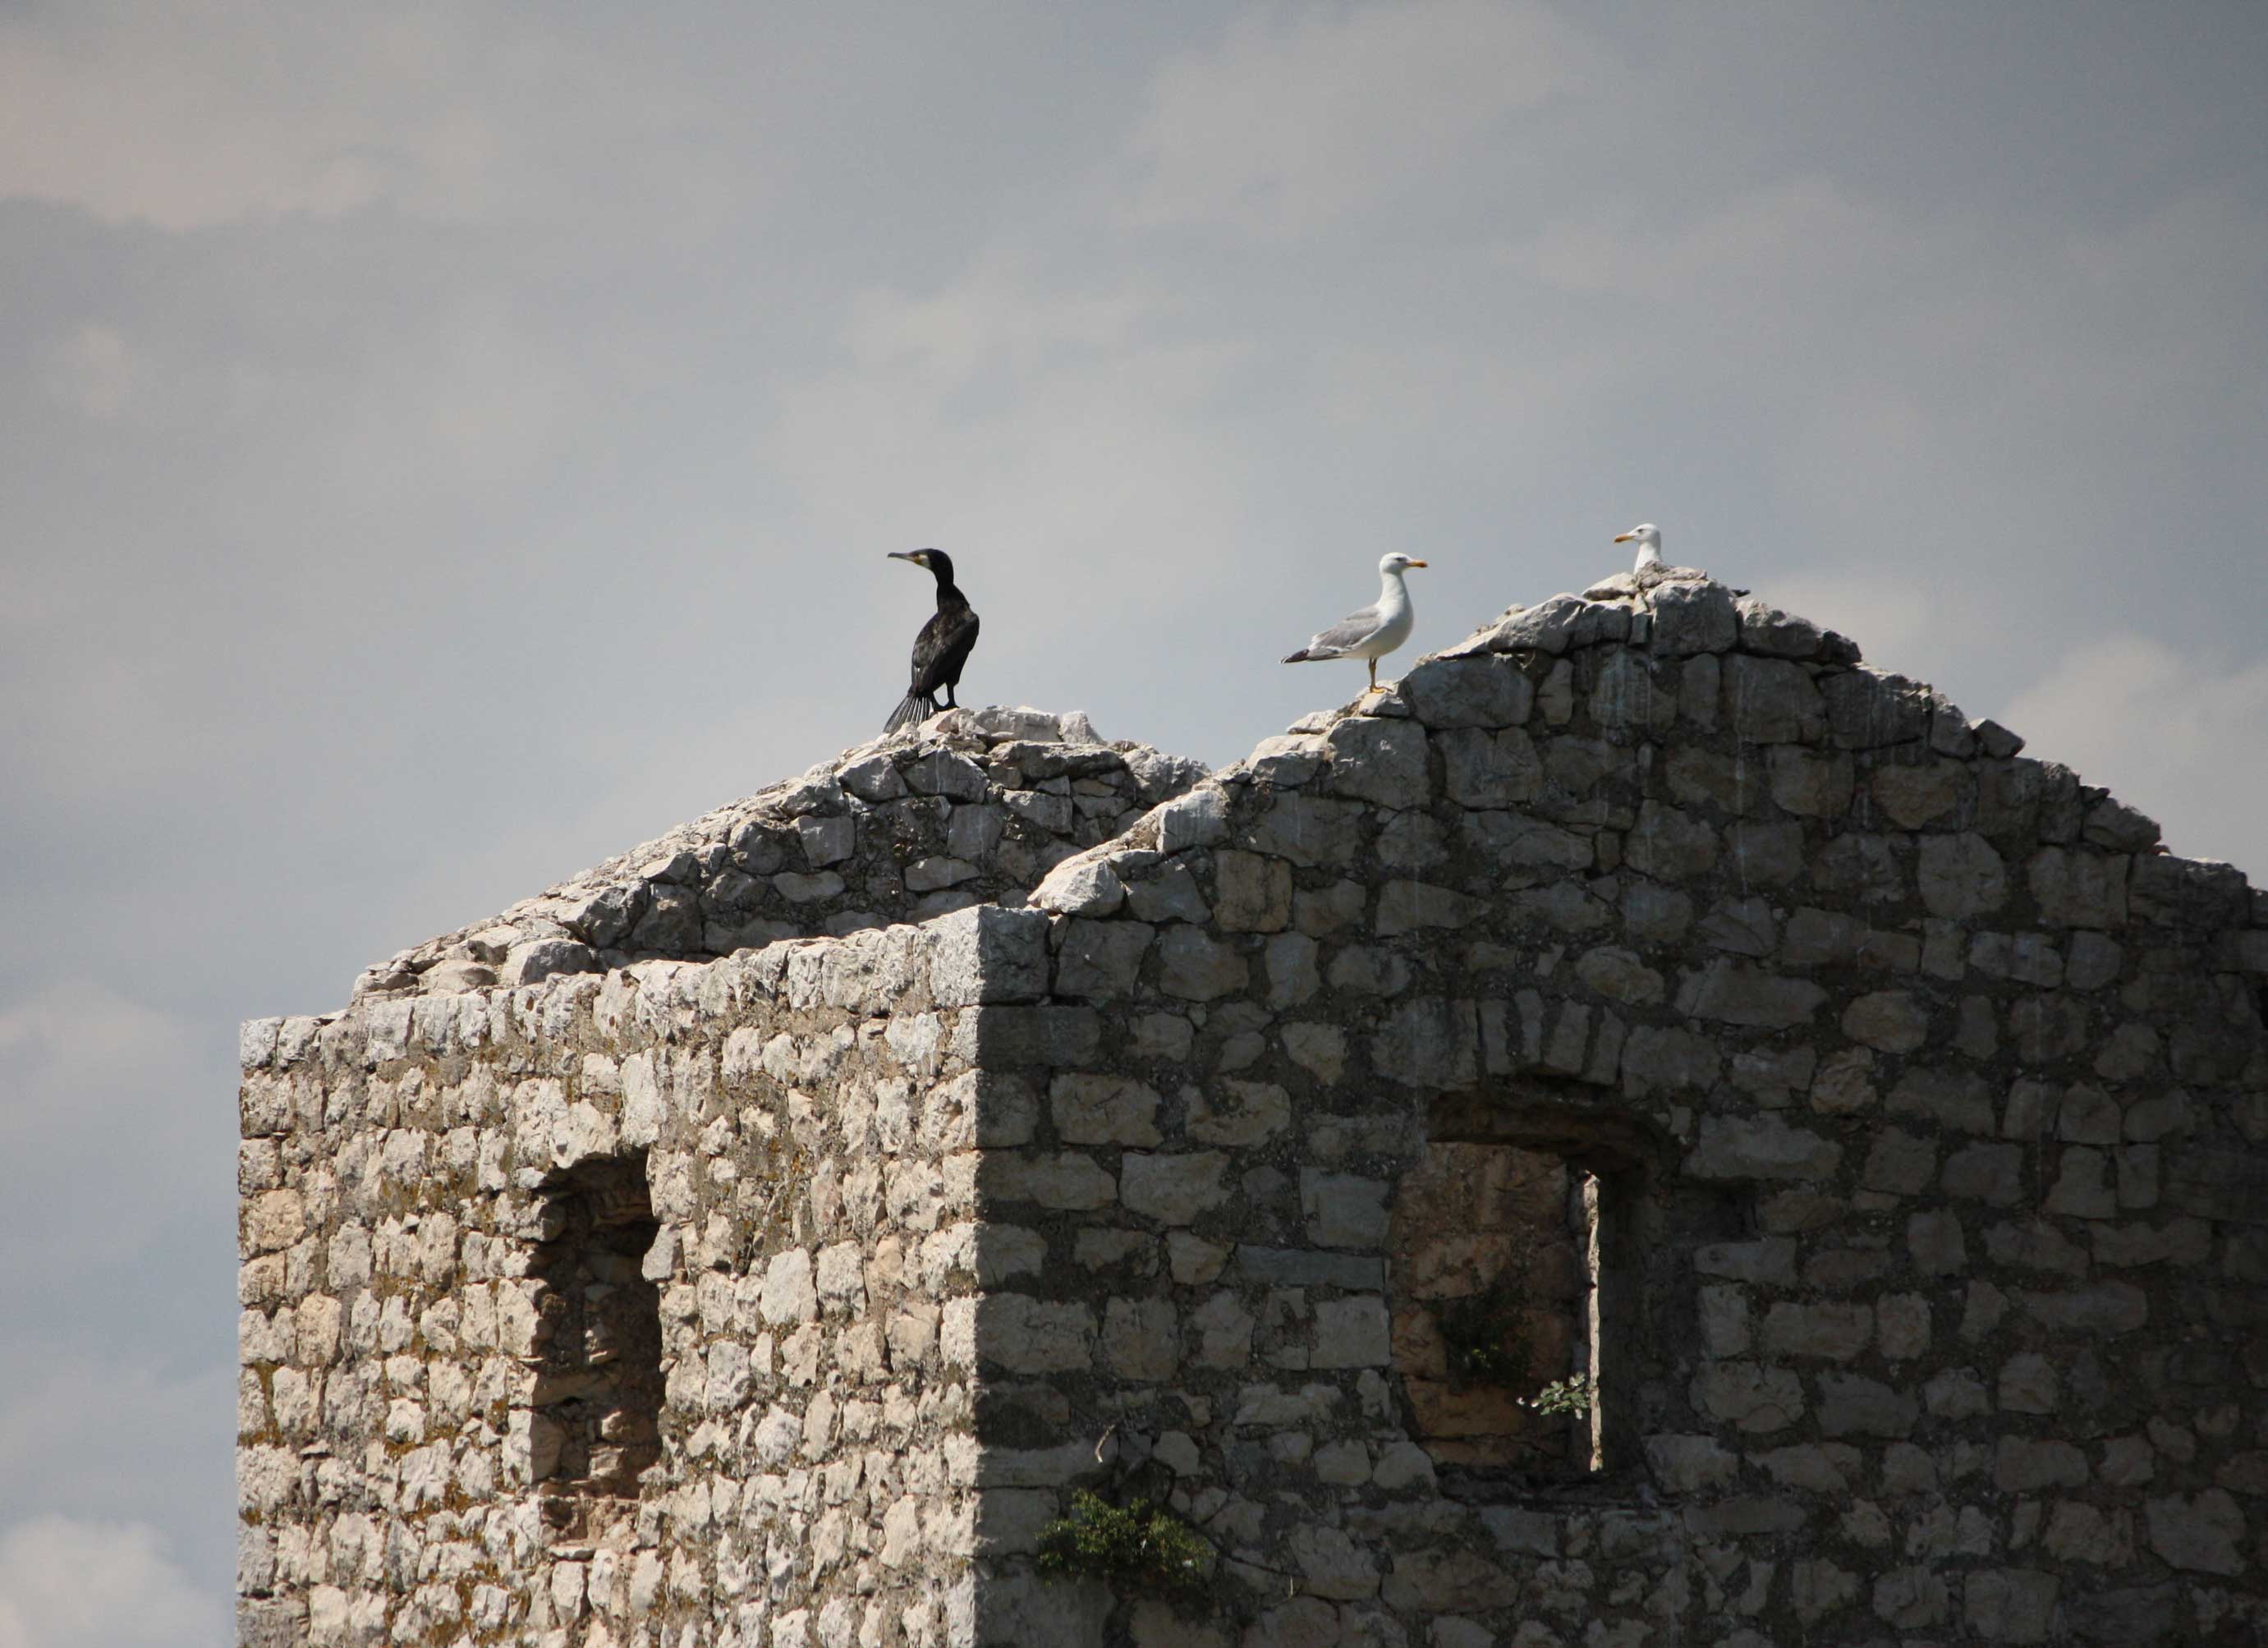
column 1648, row 538
column 1374, row 631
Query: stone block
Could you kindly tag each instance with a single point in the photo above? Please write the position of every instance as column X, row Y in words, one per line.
column 1691, row 618
column 1656, row 1059
column 1406, row 906
column 1101, row 960
column 1198, row 968
column 1352, row 1332
column 1342, row 1210
column 1750, row 1396
column 1851, row 1405
column 1004, row 1038
column 1935, row 1243
column 1252, row 892
column 1428, row 1042
column 1811, row 784
column 1087, row 884
column 1961, row 877
column 1549, row 627
column 1237, row 1113
column 1168, row 891
column 1759, row 1147
column 1095, row 1109
column 1771, row 700
column 1478, row 692
column 1438, row 1581
column 1991, row 1174
column 2101, row 1307
column 1141, row 1339
column 1069, row 1180
column 1310, row 831
column 2074, row 887
column 1740, row 993
column 1769, row 1261
column 1198, row 819
column 1955, row 1098
column 1828, row 1332
column 1899, row 1163
column 2200, row 1534
column 1484, row 769
column 987, row 955
column 2010, row 1605
column 1668, row 844
column 1690, row 1464
column 1379, row 760
column 1174, row 1189
column 1223, row 1330
column 789, row 1293
column 1889, row 1021
column 1915, row 796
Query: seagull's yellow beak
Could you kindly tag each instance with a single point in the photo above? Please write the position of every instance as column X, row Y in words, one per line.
column 1417, row 563
column 1624, row 537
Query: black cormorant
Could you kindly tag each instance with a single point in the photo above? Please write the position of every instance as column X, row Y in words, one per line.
column 941, row 648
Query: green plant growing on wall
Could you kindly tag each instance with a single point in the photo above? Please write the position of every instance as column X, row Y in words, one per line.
column 1474, row 1330
column 1137, row 1543
column 1572, row 1395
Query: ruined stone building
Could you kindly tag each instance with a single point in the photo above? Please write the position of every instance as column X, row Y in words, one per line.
column 1860, row 1126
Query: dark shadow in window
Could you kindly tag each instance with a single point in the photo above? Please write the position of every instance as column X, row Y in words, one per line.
column 1542, row 1260
column 597, row 1402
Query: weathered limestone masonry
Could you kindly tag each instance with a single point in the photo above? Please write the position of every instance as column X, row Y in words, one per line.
column 441, row 1419
column 973, row 811
column 1872, row 1122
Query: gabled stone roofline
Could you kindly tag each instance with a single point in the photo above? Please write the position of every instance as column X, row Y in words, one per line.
column 972, row 806
column 1671, row 612
column 1052, row 808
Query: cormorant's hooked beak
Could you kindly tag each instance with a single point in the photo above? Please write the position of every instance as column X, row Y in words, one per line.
column 1624, row 537
column 914, row 555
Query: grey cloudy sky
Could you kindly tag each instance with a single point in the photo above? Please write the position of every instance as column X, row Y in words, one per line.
column 443, row 443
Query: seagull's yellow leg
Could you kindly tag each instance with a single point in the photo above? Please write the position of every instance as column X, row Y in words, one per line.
column 1374, row 673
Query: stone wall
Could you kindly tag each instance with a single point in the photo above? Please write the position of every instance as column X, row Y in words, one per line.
column 1928, row 1093
column 468, row 1218
column 1645, row 989
column 972, row 806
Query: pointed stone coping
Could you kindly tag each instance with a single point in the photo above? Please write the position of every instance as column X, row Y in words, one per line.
column 805, row 858
column 1674, row 613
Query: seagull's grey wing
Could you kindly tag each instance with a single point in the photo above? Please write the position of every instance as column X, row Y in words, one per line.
column 1351, row 630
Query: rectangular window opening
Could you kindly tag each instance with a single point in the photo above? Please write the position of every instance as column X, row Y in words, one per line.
column 1508, row 1340
column 595, row 1419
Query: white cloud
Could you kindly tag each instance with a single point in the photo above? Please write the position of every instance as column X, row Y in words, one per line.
column 231, row 110
column 95, row 371
column 106, row 1433
column 105, row 1040
column 1302, row 113
column 71, row 1584
column 1041, row 420
column 2164, row 730
column 90, row 1094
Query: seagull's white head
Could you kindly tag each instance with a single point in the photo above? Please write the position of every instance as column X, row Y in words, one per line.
column 1395, row 565
column 1648, row 540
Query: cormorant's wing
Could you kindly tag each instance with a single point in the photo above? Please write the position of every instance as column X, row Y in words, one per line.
column 942, row 648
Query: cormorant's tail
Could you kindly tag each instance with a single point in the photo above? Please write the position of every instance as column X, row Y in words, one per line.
column 909, row 710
